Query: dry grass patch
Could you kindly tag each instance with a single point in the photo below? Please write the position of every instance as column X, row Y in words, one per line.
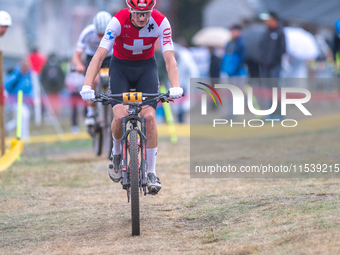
column 62, row 202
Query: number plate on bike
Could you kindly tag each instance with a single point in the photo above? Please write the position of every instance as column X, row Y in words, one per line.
column 132, row 97
column 104, row 72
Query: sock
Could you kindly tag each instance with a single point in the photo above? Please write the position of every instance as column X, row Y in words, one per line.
column 90, row 112
column 151, row 155
column 117, row 146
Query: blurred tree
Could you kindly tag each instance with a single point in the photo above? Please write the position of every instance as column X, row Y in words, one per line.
column 189, row 17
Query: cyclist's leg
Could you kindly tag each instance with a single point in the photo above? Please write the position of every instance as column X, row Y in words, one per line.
column 154, row 184
column 148, row 83
column 151, row 127
column 119, row 111
column 119, row 83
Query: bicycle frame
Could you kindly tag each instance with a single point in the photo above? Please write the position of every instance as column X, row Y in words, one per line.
column 134, row 119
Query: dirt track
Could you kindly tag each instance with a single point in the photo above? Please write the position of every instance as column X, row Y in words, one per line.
column 62, row 202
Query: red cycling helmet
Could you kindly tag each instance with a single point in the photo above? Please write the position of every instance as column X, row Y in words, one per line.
column 141, row 5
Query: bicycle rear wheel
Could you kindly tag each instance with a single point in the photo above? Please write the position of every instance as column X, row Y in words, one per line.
column 134, row 182
column 97, row 141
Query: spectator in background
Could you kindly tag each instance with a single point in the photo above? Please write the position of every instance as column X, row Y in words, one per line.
column 74, row 81
column 235, row 52
column 52, row 76
column 252, row 34
column 37, row 60
column 52, row 79
column 233, row 65
column 187, row 68
column 336, row 46
column 272, row 47
column 19, row 79
column 215, row 64
column 5, row 22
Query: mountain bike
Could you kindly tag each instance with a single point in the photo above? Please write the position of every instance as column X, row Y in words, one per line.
column 101, row 131
column 134, row 164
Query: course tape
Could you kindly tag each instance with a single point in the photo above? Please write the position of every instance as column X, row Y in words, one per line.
column 11, row 155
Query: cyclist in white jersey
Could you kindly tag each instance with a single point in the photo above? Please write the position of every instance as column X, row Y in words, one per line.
column 88, row 43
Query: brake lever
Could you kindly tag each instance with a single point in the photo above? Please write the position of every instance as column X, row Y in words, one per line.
column 164, row 99
column 104, row 101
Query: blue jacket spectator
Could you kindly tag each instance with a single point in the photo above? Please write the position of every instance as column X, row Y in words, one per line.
column 19, row 79
column 235, row 53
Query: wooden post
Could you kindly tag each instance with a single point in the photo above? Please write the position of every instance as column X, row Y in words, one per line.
column 2, row 110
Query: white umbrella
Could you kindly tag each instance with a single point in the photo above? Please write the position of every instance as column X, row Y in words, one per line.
column 301, row 44
column 212, row 37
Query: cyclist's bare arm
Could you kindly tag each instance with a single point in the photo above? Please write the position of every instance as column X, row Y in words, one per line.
column 94, row 67
column 171, row 67
column 76, row 60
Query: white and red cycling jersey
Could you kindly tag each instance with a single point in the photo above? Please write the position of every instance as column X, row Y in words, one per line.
column 89, row 41
column 131, row 43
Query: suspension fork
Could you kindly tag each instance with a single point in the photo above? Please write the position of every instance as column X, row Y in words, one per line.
column 125, row 181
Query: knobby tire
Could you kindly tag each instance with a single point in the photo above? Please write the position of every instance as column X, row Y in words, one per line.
column 134, row 182
column 97, row 141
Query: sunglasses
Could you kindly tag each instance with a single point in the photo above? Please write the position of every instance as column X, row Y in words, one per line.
column 141, row 13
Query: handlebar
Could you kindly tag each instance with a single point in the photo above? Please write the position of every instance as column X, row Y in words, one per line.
column 106, row 99
column 143, row 95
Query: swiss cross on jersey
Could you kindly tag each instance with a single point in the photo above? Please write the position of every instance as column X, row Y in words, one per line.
column 138, row 44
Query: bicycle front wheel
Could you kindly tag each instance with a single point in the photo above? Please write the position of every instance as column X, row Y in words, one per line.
column 134, row 182
column 108, row 143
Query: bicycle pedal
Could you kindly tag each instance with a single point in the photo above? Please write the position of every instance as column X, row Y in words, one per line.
column 152, row 193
